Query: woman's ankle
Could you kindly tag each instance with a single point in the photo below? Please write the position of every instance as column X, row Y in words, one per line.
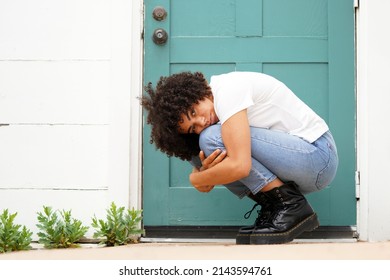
column 272, row 185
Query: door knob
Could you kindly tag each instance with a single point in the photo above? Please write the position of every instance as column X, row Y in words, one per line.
column 160, row 36
column 159, row 13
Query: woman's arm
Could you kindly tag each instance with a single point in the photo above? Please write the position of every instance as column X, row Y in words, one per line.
column 216, row 157
column 237, row 163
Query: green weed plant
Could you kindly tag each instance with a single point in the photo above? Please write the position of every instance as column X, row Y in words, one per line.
column 59, row 231
column 13, row 237
column 120, row 227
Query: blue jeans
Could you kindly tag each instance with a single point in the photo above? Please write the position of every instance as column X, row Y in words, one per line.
column 312, row 166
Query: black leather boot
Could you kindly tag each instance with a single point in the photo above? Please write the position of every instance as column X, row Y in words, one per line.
column 243, row 236
column 292, row 215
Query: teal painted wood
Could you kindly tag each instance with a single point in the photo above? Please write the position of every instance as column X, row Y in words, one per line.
column 155, row 165
column 238, row 49
column 342, row 108
column 308, row 44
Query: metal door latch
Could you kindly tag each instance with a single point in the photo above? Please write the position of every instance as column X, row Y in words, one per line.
column 159, row 13
column 160, row 36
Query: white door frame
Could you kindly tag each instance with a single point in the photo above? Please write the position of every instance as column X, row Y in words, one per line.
column 373, row 137
column 125, row 137
column 136, row 90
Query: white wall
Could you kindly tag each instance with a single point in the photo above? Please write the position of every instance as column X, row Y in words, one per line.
column 373, row 95
column 65, row 105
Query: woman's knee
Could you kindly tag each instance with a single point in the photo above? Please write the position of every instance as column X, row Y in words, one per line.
column 210, row 139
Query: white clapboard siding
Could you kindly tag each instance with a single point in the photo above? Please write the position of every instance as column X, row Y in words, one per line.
column 84, row 205
column 53, row 157
column 54, row 30
column 65, row 106
column 54, row 92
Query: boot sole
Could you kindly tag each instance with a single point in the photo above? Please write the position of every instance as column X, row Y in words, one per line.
column 243, row 239
column 308, row 224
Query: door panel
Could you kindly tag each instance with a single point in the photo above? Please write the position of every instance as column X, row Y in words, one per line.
column 307, row 44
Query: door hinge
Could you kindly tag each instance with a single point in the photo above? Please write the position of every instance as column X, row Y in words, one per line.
column 356, row 4
column 357, row 184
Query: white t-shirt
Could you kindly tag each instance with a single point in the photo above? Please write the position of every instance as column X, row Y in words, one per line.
column 269, row 103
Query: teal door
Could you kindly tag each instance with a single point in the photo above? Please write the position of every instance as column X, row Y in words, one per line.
column 307, row 44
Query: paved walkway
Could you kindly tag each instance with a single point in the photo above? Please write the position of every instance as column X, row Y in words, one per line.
column 216, row 251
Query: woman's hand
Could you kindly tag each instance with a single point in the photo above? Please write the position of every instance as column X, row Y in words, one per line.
column 216, row 157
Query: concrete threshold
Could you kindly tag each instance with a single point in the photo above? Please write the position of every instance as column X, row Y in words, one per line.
column 233, row 241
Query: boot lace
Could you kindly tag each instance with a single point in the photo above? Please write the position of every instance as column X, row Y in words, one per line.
column 263, row 214
column 249, row 213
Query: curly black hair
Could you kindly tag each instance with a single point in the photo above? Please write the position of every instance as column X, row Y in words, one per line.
column 173, row 96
